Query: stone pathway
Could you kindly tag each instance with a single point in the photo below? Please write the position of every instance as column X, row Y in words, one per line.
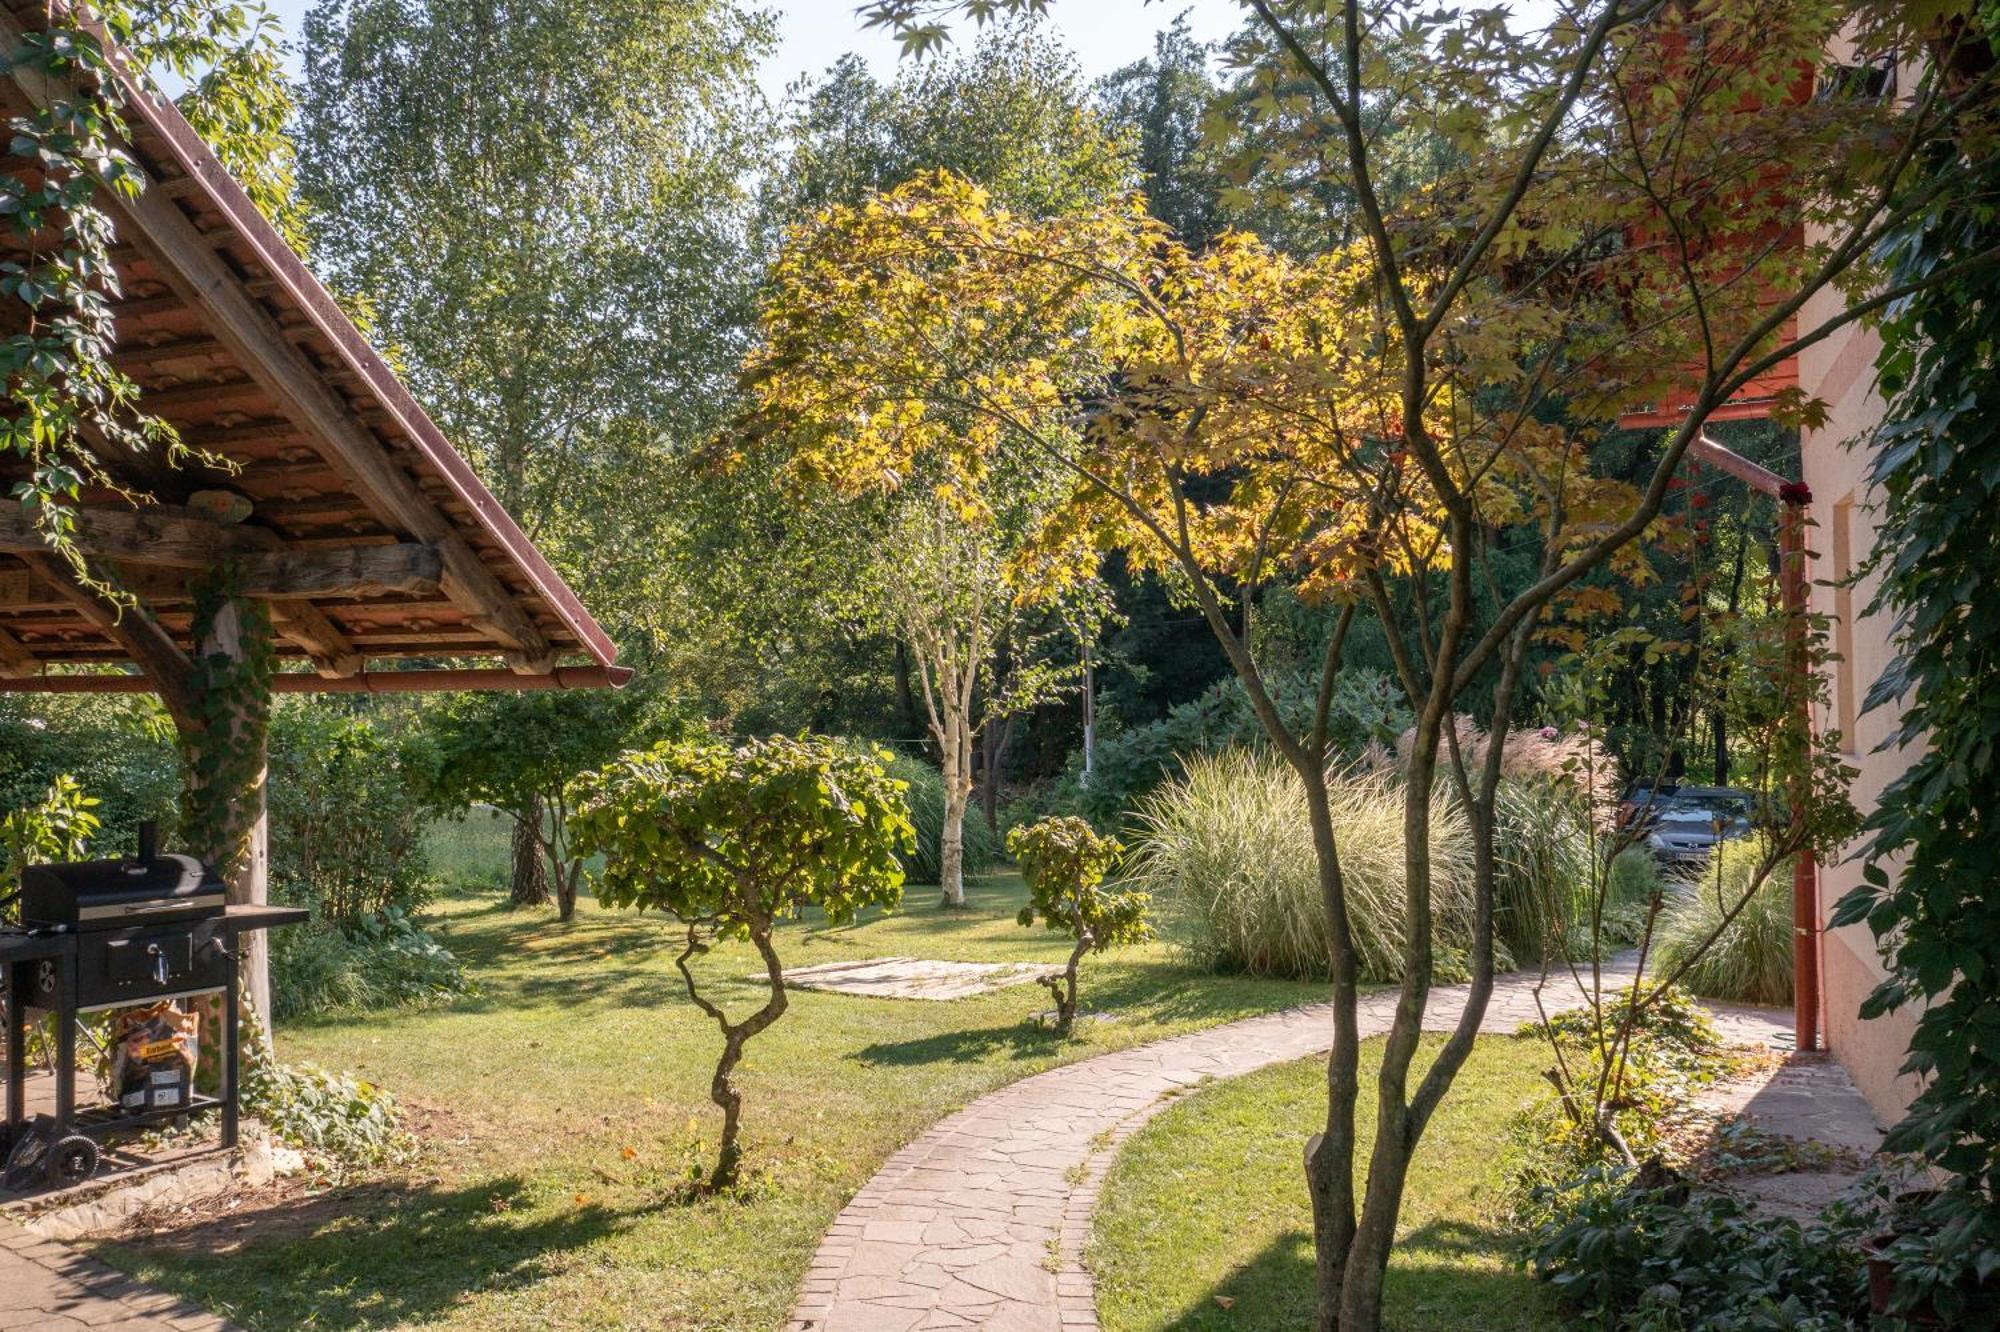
column 981, row 1222
column 912, row 977
column 45, row 1287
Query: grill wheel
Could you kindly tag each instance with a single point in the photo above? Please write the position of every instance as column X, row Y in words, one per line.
column 73, row 1160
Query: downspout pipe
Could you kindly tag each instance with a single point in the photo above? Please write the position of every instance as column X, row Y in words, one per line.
column 1794, row 587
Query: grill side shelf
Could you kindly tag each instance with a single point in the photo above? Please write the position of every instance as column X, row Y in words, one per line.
column 243, row 918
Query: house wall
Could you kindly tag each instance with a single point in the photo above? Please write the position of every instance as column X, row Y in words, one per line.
column 1840, row 372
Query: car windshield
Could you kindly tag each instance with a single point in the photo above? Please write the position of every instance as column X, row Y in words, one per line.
column 1708, row 810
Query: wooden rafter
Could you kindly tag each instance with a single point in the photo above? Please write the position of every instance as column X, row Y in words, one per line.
column 186, row 258
column 132, row 628
column 333, row 653
column 16, row 661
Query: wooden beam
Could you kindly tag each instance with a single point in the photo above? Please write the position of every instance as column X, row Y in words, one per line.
column 266, row 566
column 187, row 261
column 143, row 536
column 167, row 668
column 333, row 654
column 404, row 569
column 408, row 568
column 16, row 661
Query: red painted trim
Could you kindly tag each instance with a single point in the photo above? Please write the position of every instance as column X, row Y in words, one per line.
column 368, row 682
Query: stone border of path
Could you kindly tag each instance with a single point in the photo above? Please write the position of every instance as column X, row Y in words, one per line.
column 982, row 1220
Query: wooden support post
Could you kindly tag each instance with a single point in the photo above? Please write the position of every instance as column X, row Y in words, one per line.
column 228, row 819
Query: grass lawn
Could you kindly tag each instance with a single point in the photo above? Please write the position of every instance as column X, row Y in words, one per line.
column 1207, row 1203
column 563, row 1106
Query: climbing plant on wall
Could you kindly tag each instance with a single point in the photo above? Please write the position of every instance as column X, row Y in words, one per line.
column 1928, row 894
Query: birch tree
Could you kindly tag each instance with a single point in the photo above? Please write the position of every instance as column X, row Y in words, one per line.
column 950, row 596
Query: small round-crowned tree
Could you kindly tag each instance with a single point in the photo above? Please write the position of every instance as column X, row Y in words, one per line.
column 732, row 841
column 1064, row 861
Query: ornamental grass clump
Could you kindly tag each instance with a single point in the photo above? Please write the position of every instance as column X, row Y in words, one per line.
column 1228, row 846
column 1064, row 861
column 1750, row 960
column 1556, row 798
column 734, row 841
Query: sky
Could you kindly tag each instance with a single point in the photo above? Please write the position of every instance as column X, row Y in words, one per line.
column 812, row 34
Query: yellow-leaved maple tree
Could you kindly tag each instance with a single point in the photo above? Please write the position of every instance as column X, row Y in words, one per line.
column 1640, row 202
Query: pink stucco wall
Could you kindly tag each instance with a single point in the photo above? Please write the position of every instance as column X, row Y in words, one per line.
column 1840, row 371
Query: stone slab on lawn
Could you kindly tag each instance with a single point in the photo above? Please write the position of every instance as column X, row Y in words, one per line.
column 913, row 977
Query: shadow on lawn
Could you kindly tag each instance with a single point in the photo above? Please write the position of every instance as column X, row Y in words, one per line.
column 1441, row 1280
column 383, row 1255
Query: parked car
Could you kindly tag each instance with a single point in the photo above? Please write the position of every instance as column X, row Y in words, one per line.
column 1643, row 800
column 1694, row 820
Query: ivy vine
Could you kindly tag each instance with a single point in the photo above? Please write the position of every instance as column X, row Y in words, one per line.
column 230, row 693
column 1928, row 894
column 64, row 397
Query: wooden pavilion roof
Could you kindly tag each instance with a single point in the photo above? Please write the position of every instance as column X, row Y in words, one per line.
column 367, row 534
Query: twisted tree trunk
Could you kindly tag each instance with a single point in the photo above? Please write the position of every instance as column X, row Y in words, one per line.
column 531, row 880
column 735, row 1035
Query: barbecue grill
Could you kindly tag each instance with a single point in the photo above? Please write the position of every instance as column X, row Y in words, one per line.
column 97, row 935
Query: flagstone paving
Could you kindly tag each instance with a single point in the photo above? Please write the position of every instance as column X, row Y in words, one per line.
column 981, row 1221
column 912, row 977
column 45, row 1287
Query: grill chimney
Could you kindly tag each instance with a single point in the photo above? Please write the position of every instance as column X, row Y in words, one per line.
column 149, row 840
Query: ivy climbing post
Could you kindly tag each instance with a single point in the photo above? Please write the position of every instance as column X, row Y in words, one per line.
column 223, row 744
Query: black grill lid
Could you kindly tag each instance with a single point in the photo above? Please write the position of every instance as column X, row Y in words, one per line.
column 104, row 894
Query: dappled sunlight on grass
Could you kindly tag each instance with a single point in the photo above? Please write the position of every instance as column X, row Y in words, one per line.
column 565, row 1106
column 1205, row 1222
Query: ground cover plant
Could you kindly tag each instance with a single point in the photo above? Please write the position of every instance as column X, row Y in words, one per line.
column 1205, row 1225
column 524, row 1208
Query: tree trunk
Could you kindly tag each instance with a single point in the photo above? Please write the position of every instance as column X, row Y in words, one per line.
column 566, row 877
column 722, row 1087
column 951, row 843
column 1062, row 985
column 531, row 880
column 992, row 750
column 1330, row 1154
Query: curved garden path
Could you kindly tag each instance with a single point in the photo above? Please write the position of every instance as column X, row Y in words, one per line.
column 981, row 1221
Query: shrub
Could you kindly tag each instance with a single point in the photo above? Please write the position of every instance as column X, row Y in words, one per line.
column 926, row 800
column 1544, row 861
column 347, row 826
column 732, row 842
column 1651, row 1260
column 59, row 826
column 1064, row 862
column 1132, row 763
column 119, row 750
column 1751, row 960
column 384, row 961
column 1228, row 848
